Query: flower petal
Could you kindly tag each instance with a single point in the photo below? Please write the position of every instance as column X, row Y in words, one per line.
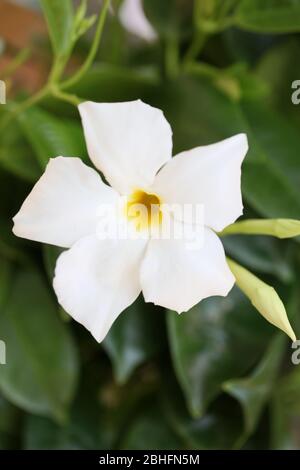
column 209, row 175
column 133, row 18
column 63, row 205
column 128, row 142
column 97, row 279
column 178, row 277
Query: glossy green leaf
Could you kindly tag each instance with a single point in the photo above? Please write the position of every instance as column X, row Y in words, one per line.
column 261, row 254
column 84, row 430
column 237, row 82
column 281, row 57
column 16, row 156
column 135, row 337
column 271, row 182
column 216, row 340
column 285, row 412
column 218, row 428
column 51, row 136
column 41, row 371
column 253, row 392
column 60, row 17
column 150, row 431
column 6, row 273
column 11, row 249
column 50, row 254
column 108, row 82
column 168, row 17
column 214, row 118
column 44, row 434
column 268, row 16
column 9, row 423
column 82, row 23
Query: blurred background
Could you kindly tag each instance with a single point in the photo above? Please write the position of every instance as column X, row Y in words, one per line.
column 219, row 376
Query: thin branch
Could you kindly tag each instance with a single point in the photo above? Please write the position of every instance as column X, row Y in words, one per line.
column 93, row 50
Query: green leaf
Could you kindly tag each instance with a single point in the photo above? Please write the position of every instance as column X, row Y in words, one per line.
column 107, row 82
column 134, row 338
column 51, row 136
column 170, row 17
column 82, row 23
column 214, row 117
column 42, row 366
column 271, row 182
column 9, row 421
column 50, row 255
column 6, row 273
column 281, row 58
column 10, row 249
column 16, row 155
column 216, row 340
column 150, row 431
column 261, row 254
column 268, row 16
column 60, row 18
column 285, row 412
column 280, row 228
column 237, row 82
column 218, row 428
column 253, row 392
column 44, row 434
column 85, row 429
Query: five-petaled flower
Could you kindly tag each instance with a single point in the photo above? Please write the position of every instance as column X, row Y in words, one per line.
column 131, row 144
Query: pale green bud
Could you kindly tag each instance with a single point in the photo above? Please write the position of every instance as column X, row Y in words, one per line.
column 280, row 228
column 263, row 297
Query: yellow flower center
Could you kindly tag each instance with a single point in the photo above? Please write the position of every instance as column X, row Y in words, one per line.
column 143, row 209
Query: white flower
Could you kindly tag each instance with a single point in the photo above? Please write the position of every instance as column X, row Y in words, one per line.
column 133, row 18
column 131, row 143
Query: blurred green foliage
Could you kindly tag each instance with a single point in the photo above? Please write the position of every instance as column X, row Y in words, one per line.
column 218, row 376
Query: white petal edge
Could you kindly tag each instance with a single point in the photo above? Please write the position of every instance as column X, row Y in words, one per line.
column 176, row 277
column 133, row 18
column 63, row 205
column 96, row 280
column 208, row 175
column 129, row 142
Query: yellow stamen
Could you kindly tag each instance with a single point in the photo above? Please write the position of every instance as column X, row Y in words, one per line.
column 143, row 209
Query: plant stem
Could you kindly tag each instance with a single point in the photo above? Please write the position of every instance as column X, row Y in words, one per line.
column 57, row 70
column 226, row 6
column 281, row 228
column 67, row 97
column 93, row 50
column 48, row 90
column 195, row 47
column 20, row 58
column 54, row 88
column 171, row 57
column 25, row 105
column 202, row 69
